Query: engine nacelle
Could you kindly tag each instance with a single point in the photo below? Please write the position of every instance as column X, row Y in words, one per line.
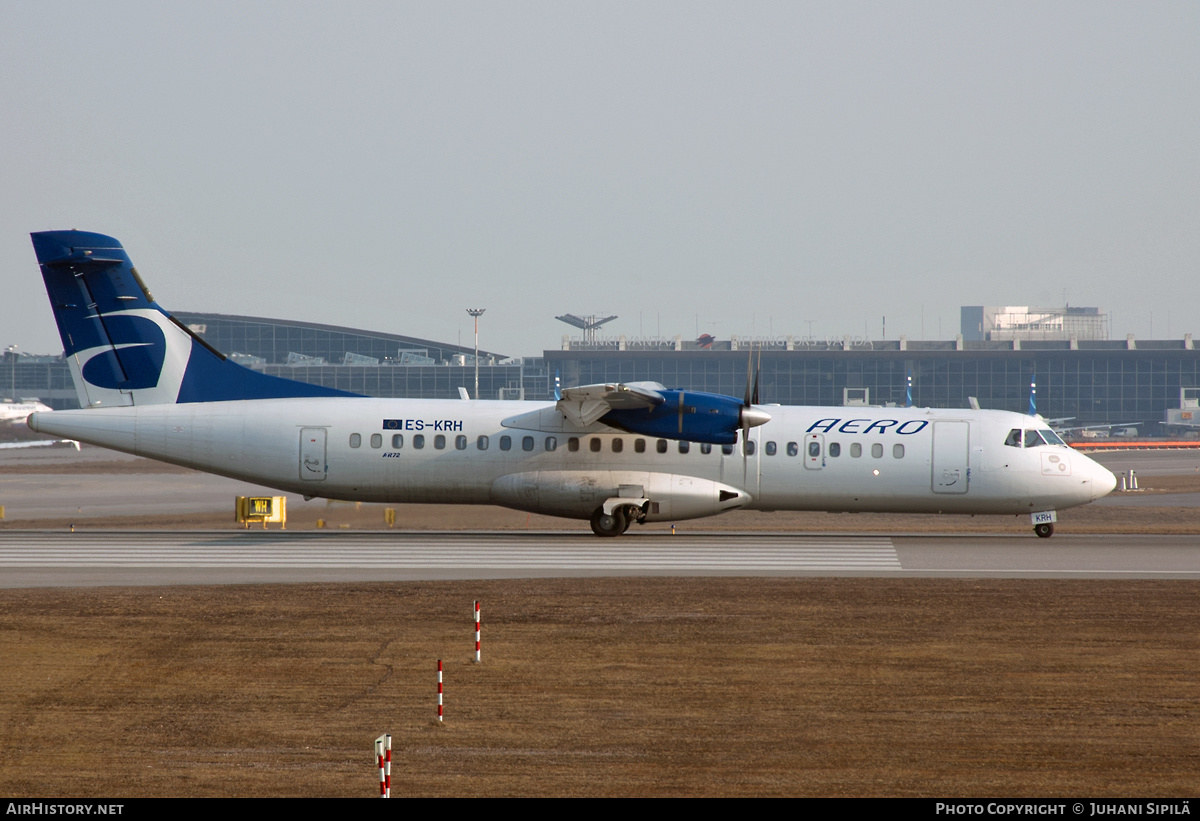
column 576, row 494
column 695, row 417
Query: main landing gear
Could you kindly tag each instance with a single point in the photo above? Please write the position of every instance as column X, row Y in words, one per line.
column 615, row 523
column 1044, row 530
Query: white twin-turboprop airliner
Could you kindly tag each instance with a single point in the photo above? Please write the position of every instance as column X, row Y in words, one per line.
column 611, row 454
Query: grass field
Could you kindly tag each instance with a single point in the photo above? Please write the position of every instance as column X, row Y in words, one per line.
column 606, row 687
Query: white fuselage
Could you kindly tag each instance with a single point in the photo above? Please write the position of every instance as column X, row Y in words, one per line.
column 804, row 458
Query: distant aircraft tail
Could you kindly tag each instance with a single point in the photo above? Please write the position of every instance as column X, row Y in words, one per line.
column 123, row 349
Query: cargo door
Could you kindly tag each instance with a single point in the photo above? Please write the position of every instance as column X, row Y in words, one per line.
column 313, row 466
column 950, row 454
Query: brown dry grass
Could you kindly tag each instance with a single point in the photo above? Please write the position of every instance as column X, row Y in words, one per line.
column 605, row 687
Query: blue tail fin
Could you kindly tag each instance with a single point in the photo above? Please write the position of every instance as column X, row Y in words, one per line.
column 122, row 347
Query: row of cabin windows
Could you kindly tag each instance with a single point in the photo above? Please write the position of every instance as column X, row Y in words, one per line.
column 856, row 450
column 595, row 445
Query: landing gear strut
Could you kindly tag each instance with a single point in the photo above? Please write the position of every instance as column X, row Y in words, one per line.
column 604, row 524
column 1044, row 530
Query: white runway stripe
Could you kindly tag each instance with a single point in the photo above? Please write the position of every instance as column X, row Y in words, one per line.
column 409, row 550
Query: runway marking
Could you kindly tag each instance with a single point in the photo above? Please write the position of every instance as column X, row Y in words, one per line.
column 485, row 551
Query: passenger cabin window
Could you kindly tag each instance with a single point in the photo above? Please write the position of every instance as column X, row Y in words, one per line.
column 482, row 443
column 397, row 441
column 376, row 440
column 770, row 448
column 460, row 442
column 418, row 440
column 505, row 443
column 835, row 449
column 527, row 443
column 877, row 450
column 551, row 443
column 356, row 440
column 661, row 445
column 639, row 445
column 573, row 444
column 594, row 444
column 793, row 449
column 706, row 448
column 618, row 445
column 684, row 446
column 814, row 449
column 749, row 447
column 897, row 451
column 439, row 442
column 855, row 450
column 727, row 450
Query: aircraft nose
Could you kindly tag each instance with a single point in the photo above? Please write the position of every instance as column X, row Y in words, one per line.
column 1103, row 481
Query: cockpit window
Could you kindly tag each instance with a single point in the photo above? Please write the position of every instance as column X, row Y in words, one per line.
column 1052, row 438
column 1032, row 438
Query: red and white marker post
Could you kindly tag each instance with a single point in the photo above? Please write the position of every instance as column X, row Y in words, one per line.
column 439, row 689
column 383, row 756
column 476, row 632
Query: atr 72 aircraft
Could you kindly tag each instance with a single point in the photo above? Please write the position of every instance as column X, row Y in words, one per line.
column 16, row 411
column 612, row 454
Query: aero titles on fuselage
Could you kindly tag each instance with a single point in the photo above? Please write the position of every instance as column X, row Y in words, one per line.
column 906, row 428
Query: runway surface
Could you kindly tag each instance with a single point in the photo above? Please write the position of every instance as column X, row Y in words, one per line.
column 41, row 558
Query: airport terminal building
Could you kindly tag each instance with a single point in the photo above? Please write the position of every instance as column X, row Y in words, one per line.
column 1094, row 381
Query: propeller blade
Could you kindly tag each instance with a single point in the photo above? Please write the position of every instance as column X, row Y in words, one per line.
column 681, row 413
column 745, row 449
column 749, row 367
column 757, row 374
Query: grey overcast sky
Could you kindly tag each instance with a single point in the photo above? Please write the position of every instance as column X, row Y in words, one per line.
column 731, row 168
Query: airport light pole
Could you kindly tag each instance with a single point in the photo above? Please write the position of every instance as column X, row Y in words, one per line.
column 476, row 312
column 11, row 350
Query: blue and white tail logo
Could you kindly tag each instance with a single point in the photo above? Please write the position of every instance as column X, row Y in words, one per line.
column 123, row 348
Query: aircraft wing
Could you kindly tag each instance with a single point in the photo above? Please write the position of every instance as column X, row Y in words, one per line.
column 584, row 405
